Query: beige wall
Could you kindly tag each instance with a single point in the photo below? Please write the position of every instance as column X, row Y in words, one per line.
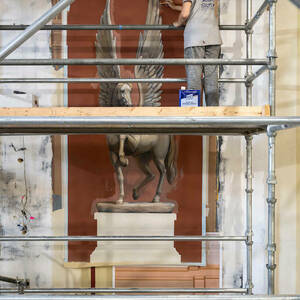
column 287, row 155
column 298, row 160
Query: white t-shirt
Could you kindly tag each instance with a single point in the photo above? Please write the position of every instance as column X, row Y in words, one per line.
column 202, row 27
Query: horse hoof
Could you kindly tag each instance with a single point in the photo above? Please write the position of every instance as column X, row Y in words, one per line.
column 156, row 199
column 119, row 201
column 135, row 194
column 124, row 161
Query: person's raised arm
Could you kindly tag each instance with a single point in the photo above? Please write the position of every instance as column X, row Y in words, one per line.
column 171, row 4
column 184, row 14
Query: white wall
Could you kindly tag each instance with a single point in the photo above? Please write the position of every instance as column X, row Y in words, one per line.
column 32, row 177
column 232, row 198
column 288, row 193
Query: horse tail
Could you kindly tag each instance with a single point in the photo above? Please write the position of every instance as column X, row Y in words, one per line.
column 170, row 161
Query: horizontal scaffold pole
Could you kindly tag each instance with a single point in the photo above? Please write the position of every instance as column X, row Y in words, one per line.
column 32, row 29
column 120, row 238
column 109, row 80
column 112, row 27
column 152, row 297
column 128, row 290
column 133, row 61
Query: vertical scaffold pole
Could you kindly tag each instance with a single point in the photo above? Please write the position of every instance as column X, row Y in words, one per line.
column 271, row 212
column 271, row 266
column 249, row 139
column 249, row 231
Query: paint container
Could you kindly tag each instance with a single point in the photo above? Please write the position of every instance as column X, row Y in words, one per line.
column 189, row 98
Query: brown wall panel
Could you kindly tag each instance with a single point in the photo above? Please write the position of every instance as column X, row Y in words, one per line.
column 91, row 176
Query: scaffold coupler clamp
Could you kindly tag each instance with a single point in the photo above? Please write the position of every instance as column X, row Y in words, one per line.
column 249, row 80
column 249, row 241
column 248, row 28
column 272, row 130
column 271, row 250
column 22, row 284
column 272, row 55
column 249, row 286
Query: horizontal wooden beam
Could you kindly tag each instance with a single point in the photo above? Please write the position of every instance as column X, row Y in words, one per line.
column 217, row 111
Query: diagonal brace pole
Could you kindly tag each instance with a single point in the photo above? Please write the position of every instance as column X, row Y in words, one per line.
column 258, row 14
column 33, row 28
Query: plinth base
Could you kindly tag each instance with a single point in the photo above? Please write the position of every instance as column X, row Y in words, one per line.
column 136, row 207
column 135, row 252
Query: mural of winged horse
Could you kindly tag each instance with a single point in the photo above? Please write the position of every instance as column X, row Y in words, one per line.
column 145, row 148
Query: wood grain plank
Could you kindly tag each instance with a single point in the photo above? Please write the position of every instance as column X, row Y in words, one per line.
column 218, row 111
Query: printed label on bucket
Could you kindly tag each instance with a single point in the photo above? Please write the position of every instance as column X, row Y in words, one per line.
column 189, row 98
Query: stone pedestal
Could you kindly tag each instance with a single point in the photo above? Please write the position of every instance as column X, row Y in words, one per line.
column 135, row 252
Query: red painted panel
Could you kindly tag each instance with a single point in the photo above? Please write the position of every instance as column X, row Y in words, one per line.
column 91, row 176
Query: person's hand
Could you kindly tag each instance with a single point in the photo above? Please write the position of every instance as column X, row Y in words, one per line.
column 176, row 24
column 171, row 4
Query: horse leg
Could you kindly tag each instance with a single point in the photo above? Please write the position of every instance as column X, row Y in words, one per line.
column 143, row 162
column 122, row 158
column 120, row 177
column 160, row 164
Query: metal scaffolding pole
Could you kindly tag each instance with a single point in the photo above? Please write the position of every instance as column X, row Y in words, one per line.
column 258, row 14
column 109, row 80
column 249, row 229
column 271, row 200
column 145, row 297
column 20, row 282
column 125, row 290
column 271, row 181
column 112, row 27
column 133, row 61
column 132, row 124
column 120, row 238
column 32, row 29
column 256, row 74
column 249, row 140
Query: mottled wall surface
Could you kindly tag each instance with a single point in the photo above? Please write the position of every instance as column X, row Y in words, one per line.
column 231, row 203
column 25, row 162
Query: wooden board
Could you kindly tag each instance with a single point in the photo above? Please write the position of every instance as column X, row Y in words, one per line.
column 217, row 111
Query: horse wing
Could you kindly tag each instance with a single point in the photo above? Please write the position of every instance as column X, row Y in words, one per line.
column 106, row 48
column 150, row 46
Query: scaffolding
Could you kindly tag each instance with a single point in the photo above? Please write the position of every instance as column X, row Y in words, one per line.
column 245, row 126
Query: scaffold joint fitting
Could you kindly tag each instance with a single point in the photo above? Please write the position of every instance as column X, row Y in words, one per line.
column 249, row 285
column 271, row 248
column 271, row 200
column 249, row 191
column 249, row 176
column 271, row 267
column 272, row 180
column 249, row 241
column 271, row 131
column 248, row 28
column 272, row 54
column 272, row 67
column 249, row 81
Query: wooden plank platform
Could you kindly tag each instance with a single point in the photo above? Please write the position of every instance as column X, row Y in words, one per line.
column 218, row 111
column 220, row 120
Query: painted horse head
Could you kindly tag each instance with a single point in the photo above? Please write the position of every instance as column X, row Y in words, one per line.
column 122, row 95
